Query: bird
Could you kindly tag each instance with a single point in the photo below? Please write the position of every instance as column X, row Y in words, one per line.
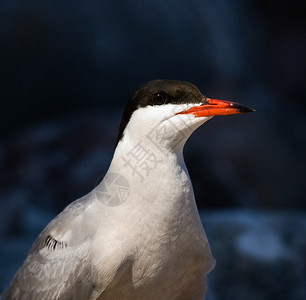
column 137, row 234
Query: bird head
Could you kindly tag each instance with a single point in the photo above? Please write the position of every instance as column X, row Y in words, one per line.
column 168, row 111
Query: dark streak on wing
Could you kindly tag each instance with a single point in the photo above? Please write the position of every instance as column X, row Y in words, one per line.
column 52, row 243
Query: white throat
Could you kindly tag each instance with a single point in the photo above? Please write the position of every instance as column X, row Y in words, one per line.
column 162, row 126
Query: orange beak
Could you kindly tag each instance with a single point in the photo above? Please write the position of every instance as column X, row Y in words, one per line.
column 214, row 107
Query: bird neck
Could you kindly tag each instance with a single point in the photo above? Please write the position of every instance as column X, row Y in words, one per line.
column 151, row 169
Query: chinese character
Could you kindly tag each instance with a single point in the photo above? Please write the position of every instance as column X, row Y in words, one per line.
column 141, row 161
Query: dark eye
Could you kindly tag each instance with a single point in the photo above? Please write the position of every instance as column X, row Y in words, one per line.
column 159, row 98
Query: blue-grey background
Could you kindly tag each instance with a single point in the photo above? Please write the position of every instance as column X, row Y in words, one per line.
column 66, row 71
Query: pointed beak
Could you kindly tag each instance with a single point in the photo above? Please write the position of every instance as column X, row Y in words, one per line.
column 214, row 107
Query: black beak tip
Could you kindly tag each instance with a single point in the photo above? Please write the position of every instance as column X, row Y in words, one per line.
column 244, row 109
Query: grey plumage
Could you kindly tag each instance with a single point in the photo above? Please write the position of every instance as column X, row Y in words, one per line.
column 57, row 269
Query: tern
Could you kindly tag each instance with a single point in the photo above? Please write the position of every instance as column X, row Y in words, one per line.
column 137, row 234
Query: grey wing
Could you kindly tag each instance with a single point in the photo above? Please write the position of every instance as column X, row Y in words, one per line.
column 58, row 275
column 56, row 268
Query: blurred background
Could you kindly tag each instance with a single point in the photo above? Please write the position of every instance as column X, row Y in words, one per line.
column 67, row 69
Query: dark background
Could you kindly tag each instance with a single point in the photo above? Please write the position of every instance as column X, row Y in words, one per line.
column 67, row 69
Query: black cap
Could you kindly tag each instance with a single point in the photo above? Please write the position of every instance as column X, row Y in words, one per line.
column 159, row 92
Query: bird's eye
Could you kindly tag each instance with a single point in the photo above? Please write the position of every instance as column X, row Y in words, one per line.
column 159, row 98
